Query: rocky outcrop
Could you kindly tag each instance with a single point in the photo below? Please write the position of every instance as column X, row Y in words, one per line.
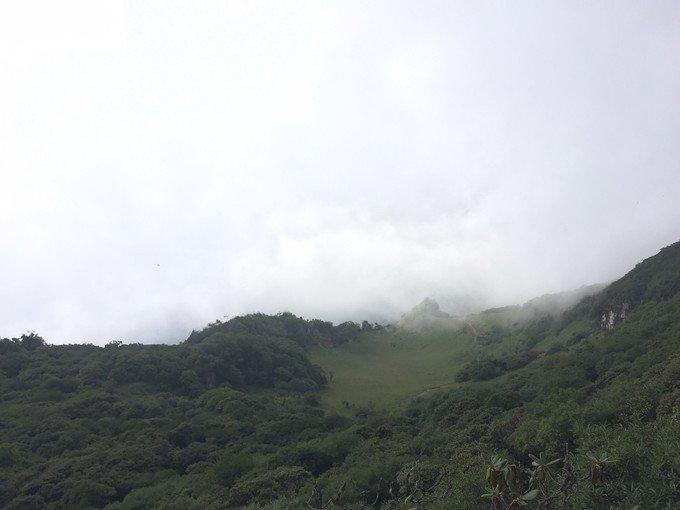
column 425, row 315
column 612, row 317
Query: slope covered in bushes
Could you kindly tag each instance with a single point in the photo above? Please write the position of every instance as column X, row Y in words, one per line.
column 82, row 426
column 571, row 412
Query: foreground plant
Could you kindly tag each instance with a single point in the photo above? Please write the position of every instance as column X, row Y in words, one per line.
column 546, row 487
column 598, row 463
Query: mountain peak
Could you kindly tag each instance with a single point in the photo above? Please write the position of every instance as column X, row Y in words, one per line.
column 427, row 312
column 429, row 306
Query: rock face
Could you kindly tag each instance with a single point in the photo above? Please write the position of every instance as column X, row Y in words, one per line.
column 611, row 318
column 426, row 314
column 429, row 306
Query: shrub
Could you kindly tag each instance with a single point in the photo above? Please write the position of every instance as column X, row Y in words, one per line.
column 231, row 467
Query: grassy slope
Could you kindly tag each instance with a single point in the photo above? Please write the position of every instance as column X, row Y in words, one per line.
column 388, row 368
column 603, row 392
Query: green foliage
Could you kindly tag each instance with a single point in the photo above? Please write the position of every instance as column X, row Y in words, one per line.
column 481, row 370
column 317, row 455
column 655, row 279
column 7, row 456
column 238, row 416
column 268, row 486
column 83, row 427
column 231, row 467
column 285, row 326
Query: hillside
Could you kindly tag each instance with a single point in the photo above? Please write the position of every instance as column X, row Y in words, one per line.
column 387, row 368
column 426, row 349
column 274, row 412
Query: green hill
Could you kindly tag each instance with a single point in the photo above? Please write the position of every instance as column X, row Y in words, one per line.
column 385, row 369
column 426, row 350
column 575, row 408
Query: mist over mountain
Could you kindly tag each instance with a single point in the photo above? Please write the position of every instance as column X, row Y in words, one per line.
column 428, row 313
column 163, row 166
column 357, row 255
column 577, row 390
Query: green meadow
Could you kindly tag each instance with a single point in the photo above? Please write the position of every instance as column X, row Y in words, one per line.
column 388, row 368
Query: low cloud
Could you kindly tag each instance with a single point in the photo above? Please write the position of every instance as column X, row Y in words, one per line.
column 196, row 163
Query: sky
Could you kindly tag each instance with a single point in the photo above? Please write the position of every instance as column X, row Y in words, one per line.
column 164, row 164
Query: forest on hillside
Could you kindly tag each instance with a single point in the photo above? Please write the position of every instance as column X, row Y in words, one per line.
column 580, row 410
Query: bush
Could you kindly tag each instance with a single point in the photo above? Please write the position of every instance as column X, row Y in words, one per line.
column 318, row 455
column 268, row 486
column 231, row 467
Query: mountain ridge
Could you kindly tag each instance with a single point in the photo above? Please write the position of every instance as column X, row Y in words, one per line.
column 270, row 412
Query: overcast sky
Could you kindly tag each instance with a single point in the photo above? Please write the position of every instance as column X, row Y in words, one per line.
column 164, row 164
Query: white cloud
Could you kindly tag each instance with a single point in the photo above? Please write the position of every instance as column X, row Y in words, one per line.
column 164, row 164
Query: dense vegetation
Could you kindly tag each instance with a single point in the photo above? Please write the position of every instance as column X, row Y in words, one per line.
column 577, row 411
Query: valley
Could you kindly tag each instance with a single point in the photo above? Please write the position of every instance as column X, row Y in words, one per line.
column 387, row 368
column 558, row 403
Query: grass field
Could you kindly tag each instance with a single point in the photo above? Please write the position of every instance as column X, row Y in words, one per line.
column 388, row 368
